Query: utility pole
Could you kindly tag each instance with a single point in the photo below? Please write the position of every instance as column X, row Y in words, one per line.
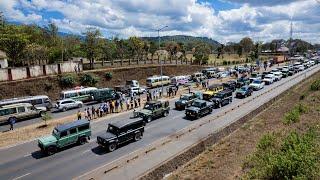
column 161, row 73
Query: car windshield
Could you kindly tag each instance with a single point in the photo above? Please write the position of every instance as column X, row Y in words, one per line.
column 148, row 107
column 243, row 89
column 219, row 95
column 256, row 82
column 196, row 104
column 184, row 97
column 112, row 129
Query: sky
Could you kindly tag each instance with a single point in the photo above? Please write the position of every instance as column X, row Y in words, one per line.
column 222, row 20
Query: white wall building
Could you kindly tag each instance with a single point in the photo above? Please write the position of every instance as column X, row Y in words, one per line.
column 3, row 60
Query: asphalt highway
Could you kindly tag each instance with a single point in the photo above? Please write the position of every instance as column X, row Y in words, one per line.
column 25, row 161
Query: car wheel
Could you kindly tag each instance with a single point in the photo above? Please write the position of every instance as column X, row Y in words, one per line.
column 80, row 106
column 82, row 140
column 51, row 150
column 137, row 136
column 165, row 114
column 41, row 114
column 64, row 109
column 220, row 105
column 149, row 119
column 112, row 147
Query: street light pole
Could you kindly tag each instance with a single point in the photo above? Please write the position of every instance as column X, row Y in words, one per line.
column 161, row 73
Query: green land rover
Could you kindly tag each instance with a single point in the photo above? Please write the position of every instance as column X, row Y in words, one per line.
column 64, row 135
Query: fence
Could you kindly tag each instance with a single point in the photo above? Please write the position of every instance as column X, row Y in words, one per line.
column 12, row 74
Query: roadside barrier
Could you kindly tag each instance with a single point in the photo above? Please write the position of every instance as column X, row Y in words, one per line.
column 122, row 161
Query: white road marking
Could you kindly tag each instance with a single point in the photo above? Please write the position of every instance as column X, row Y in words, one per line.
column 21, row 176
column 85, row 151
column 26, row 155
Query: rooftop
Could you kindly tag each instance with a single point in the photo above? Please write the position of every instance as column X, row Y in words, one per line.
column 120, row 124
column 67, row 126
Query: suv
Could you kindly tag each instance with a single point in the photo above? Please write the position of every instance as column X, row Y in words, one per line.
column 198, row 109
column 185, row 101
column 65, row 135
column 121, row 132
column 244, row 91
column 212, row 90
column 20, row 111
column 152, row 110
column 242, row 82
column 222, row 98
column 230, row 85
column 65, row 104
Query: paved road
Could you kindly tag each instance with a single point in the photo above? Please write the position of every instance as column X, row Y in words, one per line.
column 26, row 162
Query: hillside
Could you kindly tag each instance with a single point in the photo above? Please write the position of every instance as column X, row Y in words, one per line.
column 183, row 39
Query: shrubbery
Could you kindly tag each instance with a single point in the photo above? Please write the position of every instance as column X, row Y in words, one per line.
column 295, row 156
column 315, row 86
column 293, row 116
column 108, row 75
column 88, row 80
column 67, row 80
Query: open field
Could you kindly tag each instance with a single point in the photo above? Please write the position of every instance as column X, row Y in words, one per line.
column 225, row 160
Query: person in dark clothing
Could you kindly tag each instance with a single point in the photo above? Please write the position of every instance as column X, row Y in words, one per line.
column 12, row 121
column 79, row 115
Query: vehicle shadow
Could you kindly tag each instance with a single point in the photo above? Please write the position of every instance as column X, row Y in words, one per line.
column 99, row 150
column 38, row 155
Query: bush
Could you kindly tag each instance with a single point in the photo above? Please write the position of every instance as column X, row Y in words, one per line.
column 295, row 156
column 45, row 117
column 89, row 80
column 67, row 81
column 315, row 86
column 108, row 75
column 224, row 63
column 293, row 116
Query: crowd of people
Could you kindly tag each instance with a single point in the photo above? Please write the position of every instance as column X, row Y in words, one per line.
column 110, row 107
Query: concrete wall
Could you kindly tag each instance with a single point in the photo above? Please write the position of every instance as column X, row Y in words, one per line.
column 3, row 63
column 3, row 74
column 36, row 71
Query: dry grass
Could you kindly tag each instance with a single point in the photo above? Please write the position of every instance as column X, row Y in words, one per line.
column 225, row 159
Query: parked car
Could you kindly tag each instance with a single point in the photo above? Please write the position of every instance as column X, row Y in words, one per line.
column 134, row 91
column 230, row 85
column 257, row 85
column 121, row 132
column 255, row 76
column 285, row 73
column 242, row 82
column 185, row 101
column 20, row 111
column 222, row 98
column 66, row 104
column 153, row 110
column 269, row 79
column 65, row 135
column 198, row 109
column 244, row 92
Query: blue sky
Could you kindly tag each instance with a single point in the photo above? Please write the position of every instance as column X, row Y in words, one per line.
column 222, row 20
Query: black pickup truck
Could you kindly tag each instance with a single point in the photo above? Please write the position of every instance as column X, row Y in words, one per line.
column 121, row 132
column 199, row 108
column 222, row 98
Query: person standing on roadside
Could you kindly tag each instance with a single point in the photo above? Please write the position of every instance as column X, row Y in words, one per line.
column 86, row 114
column 89, row 114
column 12, row 121
column 117, row 106
column 79, row 115
column 93, row 111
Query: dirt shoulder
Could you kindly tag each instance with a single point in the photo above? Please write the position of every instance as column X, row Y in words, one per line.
column 225, row 159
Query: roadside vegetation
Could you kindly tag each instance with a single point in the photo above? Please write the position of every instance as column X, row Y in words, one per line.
column 282, row 142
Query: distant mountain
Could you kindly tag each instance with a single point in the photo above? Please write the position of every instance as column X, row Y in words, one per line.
column 183, row 39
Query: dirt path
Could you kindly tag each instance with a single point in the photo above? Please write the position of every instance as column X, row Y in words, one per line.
column 225, row 159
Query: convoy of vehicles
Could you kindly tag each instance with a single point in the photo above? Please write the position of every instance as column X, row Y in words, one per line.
column 230, row 85
column 153, row 110
column 121, row 132
column 20, row 111
column 242, row 82
column 244, row 92
column 104, row 94
column 257, row 85
column 179, row 80
column 65, row 135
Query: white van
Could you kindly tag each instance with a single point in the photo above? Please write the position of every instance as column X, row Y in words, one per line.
column 20, row 111
column 179, row 80
column 198, row 76
column 37, row 101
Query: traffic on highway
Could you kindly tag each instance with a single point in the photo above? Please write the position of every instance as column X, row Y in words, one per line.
column 82, row 141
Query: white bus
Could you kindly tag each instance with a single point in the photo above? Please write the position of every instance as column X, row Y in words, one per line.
column 179, row 80
column 83, row 94
column 156, row 81
column 37, row 101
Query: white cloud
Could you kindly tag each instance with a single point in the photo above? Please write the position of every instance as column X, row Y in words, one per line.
column 261, row 19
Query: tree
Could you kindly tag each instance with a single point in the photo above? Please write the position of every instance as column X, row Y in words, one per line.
column 172, row 48
column 13, row 42
column 220, row 51
column 247, row 45
column 201, row 54
column 35, row 53
column 91, row 44
column 107, row 50
column 136, row 47
column 153, row 48
column 45, row 117
column 52, row 32
column 239, row 50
